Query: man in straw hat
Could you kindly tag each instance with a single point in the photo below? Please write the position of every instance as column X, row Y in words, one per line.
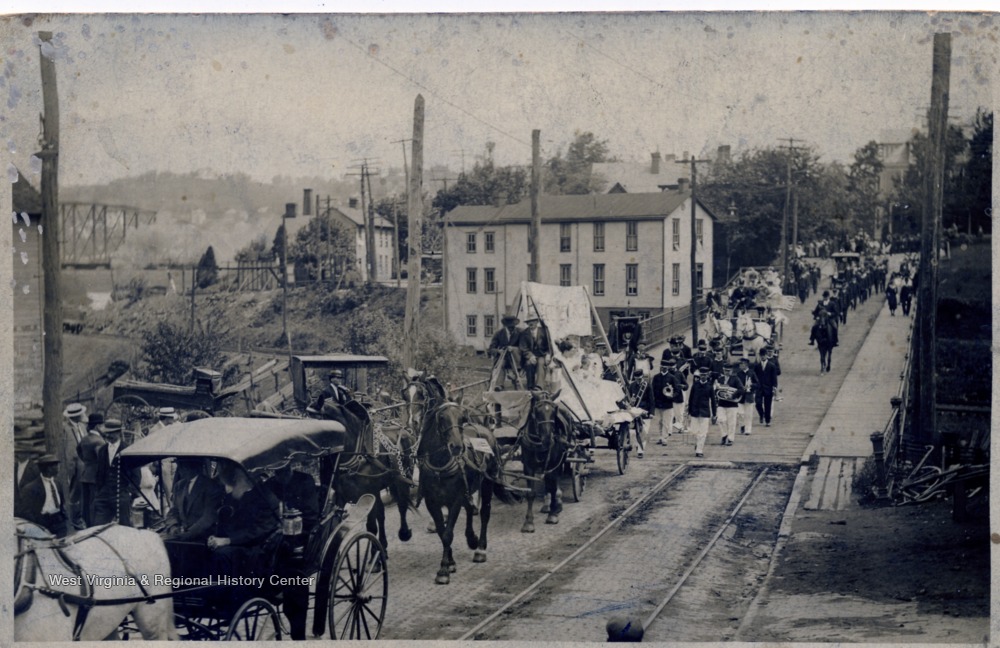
column 74, row 430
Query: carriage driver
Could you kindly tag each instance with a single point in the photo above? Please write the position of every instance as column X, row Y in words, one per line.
column 335, row 391
column 535, row 346
column 504, row 345
column 247, row 518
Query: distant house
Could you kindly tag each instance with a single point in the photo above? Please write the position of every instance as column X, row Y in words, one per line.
column 29, row 289
column 637, row 177
column 354, row 219
column 631, row 252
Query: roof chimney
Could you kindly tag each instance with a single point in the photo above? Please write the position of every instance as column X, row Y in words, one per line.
column 683, row 184
column 352, row 203
column 655, row 166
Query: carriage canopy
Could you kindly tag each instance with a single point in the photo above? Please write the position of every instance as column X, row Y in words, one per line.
column 255, row 443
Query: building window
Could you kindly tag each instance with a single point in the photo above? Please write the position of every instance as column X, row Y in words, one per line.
column 565, row 272
column 631, row 236
column 632, row 279
column 489, row 325
column 598, row 278
column 698, row 272
column 564, row 237
column 677, row 233
column 470, row 325
column 470, row 243
column 488, row 242
column 489, row 280
column 470, row 280
column 699, row 230
column 675, row 285
column 598, row 237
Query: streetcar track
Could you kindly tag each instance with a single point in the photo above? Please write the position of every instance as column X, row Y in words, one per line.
column 635, row 514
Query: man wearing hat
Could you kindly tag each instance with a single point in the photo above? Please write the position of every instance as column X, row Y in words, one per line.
column 74, row 430
column 113, row 493
column 505, row 353
column 661, row 400
column 702, row 358
column 536, row 352
column 748, row 380
column 25, row 469
column 680, row 382
column 335, row 391
column 766, row 372
column 42, row 500
column 729, row 395
column 700, row 406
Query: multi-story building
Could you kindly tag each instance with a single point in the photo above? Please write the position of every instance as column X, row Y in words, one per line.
column 354, row 219
column 632, row 251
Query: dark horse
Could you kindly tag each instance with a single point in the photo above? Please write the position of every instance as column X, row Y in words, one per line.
column 371, row 463
column 544, row 444
column 457, row 458
column 822, row 335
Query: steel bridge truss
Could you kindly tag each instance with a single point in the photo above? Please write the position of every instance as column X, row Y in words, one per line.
column 91, row 232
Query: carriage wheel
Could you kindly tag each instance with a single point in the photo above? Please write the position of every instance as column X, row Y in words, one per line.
column 579, row 478
column 621, row 448
column 135, row 414
column 359, row 589
column 255, row 620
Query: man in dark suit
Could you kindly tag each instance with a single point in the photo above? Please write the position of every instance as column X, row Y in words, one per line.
column 91, row 470
column 113, row 493
column 296, row 491
column 504, row 344
column 247, row 518
column 535, row 348
column 197, row 497
column 335, row 391
column 766, row 372
column 42, row 500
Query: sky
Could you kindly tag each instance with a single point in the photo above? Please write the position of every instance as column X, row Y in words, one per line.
column 314, row 94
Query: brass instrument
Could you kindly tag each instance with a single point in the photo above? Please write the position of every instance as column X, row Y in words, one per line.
column 726, row 393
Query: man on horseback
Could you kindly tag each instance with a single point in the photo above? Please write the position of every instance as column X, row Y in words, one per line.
column 822, row 335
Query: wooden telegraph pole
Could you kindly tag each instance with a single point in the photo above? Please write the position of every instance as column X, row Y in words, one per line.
column 933, row 199
column 52, row 372
column 415, row 209
column 694, row 244
column 535, row 234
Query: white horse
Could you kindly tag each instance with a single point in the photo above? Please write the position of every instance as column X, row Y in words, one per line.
column 64, row 588
column 754, row 334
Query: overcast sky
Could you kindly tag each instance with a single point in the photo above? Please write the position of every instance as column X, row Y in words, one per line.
column 311, row 94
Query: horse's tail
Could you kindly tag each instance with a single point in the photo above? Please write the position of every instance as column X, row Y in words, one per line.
column 503, row 493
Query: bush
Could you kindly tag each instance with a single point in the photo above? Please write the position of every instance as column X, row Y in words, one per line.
column 170, row 353
column 130, row 292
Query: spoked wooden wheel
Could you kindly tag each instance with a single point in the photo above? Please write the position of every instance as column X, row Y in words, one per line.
column 578, row 475
column 621, row 448
column 359, row 589
column 135, row 414
column 255, row 620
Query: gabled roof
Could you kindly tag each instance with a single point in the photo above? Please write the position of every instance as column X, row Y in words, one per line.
column 589, row 207
column 357, row 217
column 634, row 177
column 26, row 198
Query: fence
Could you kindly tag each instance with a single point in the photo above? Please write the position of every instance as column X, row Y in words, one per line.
column 245, row 276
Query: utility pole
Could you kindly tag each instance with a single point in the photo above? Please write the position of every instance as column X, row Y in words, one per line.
column 52, row 362
column 415, row 210
column 395, row 241
column 370, row 232
column 784, row 219
column 535, row 234
column 694, row 243
column 289, row 213
column 930, row 234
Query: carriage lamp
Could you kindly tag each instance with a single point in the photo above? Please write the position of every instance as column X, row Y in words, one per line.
column 291, row 522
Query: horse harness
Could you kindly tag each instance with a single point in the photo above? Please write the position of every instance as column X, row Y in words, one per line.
column 85, row 600
column 538, row 444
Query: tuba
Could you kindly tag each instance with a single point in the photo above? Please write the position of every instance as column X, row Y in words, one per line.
column 726, row 393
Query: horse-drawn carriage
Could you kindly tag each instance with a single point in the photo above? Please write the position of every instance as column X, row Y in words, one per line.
column 135, row 403
column 846, row 265
column 342, row 566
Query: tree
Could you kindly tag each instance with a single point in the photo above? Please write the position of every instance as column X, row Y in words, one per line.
column 324, row 240
column 486, row 184
column 572, row 174
column 864, row 186
column 255, row 252
column 909, row 190
column 977, row 179
column 170, row 352
column 208, row 270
